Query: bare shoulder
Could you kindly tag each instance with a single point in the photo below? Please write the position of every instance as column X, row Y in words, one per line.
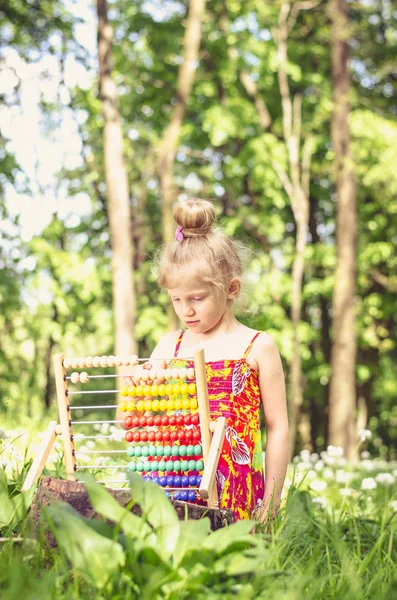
column 166, row 345
column 266, row 353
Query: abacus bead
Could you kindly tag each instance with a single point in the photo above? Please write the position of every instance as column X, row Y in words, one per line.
column 139, row 390
column 191, row 496
column 74, row 362
column 157, row 420
column 83, row 377
column 159, row 450
column 185, row 481
column 177, row 465
column 197, row 450
column 161, row 390
column 200, row 465
column 192, row 388
column 166, row 436
column 154, row 465
column 75, row 377
column 167, row 373
column 167, row 494
column 165, row 420
column 163, row 481
column 118, row 361
column 170, row 405
column 147, row 466
column 132, row 466
column 199, row 480
column 67, row 363
column 175, row 450
column 135, row 421
column 185, row 404
column 96, row 361
column 181, row 435
column 192, row 465
column 153, row 451
column 104, row 361
column 184, row 465
column 190, row 450
column 140, row 405
column 130, row 451
column 148, row 405
column 138, row 451
column 169, row 389
column 152, row 373
column 193, row 404
column 153, row 390
column 184, row 388
column 155, row 405
column 124, row 391
column 183, row 496
column 155, row 480
column 133, row 360
column 161, row 465
column 169, row 465
column 175, row 373
column 131, row 406
column 147, row 389
column 178, row 404
column 137, row 436
column 159, row 436
column 177, row 481
column 145, row 375
column 144, row 435
column 167, row 450
column 142, row 421
column 170, row 481
column 177, row 389
column 190, row 373
column 132, row 391
column 195, row 419
column 172, row 419
column 111, row 362
column 151, row 436
column 145, row 451
column 173, row 436
column 128, row 422
column 176, row 495
column 179, row 420
column 150, row 421
column 125, row 362
column 187, row 419
column 129, row 437
column 193, row 480
column 163, row 405
column 160, row 374
column 139, row 466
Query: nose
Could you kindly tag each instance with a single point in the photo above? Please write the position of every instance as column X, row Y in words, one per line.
column 188, row 310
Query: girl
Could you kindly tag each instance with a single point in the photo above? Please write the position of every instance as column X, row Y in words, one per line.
column 201, row 272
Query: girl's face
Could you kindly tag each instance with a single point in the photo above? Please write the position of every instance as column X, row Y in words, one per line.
column 200, row 307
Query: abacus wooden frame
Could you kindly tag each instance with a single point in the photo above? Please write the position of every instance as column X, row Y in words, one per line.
column 211, row 444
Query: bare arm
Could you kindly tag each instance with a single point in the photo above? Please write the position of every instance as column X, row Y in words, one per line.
column 273, row 394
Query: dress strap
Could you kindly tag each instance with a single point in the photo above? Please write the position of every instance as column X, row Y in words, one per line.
column 178, row 343
column 251, row 344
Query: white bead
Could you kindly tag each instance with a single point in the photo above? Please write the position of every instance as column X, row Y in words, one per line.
column 183, row 373
column 75, row 377
column 168, row 373
column 83, row 377
column 74, row 362
column 96, row 361
column 190, row 373
column 88, row 362
column 175, row 373
column 126, row 362
column 104, row 361
column 111, row 362
column 118, row 361
column 82, row 364
column 134, row 360
column 67, row 363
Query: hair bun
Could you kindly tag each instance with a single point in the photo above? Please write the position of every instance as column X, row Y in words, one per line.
column 196, row 216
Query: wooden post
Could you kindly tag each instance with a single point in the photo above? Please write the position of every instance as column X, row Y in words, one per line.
column 208, row 482
column 64, row 416
column 204, row 413
column 42, row 454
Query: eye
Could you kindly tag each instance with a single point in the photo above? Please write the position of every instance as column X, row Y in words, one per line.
column 175, row 299
column 197, row 299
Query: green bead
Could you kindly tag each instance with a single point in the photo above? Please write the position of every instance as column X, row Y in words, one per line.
column 145, row 451
column 159, row 450
column 148, row 466
column 167, row 451
column 200, row 465
column 190, row 450
column 192, row 465
column 169, row 465
column 132, row 466
column 161, row 465
column 175, row 450
column 184, row 465
column 139, row 466
column 138, row 451
column 153, row 451
column 198, row 450
column 130, row 451
column 177, row 465
column 154, row 465
column 182, row 450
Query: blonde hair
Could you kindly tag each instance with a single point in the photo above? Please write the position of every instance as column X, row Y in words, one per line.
column 207, row 253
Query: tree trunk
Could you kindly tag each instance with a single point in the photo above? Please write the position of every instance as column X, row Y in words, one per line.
column 117, row 193
column 343, row 354
column 169, row 144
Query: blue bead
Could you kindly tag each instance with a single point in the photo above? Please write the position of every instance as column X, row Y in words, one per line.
column 155, row 480
column 163, row 481
column 170, row 481
column 177, row 481
column 199, row 478
column 176, row 495
column 193, row 480
column 191, row 496
column 185, row 481
column 183, row 496
column 167, row 494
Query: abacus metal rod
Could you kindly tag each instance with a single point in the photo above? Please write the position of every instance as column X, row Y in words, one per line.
column 86, row 407
column 92, row 422
column 98, row 436
column 94, row 392
column 100, row 452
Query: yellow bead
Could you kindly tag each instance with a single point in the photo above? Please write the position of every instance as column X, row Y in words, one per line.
column 185, row 404
column 170, row 405
column 193, row 404
column 169, row 388
column 131, row 406
column 163, row 404
column 192, row 388
column 156, row 405
column 147, row 390
column 178, row 404
column 184, row 388
column 140, row 405
column 154, row 390
column 177, row 389
column 161, row 390
column 132, row 391
column 123, row 407
column 148, row 405
column 139, row 390
column 124, row 391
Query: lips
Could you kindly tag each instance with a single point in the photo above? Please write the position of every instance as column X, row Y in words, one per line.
column 191, row 322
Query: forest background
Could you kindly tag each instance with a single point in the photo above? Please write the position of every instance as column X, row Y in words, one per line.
column 229, row 100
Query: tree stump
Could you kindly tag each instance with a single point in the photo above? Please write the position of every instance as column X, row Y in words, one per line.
column 74, row 493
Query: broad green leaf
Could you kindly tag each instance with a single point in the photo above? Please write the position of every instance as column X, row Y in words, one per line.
column 6, row 506
column 238, row 533
column 191, row 536
column 95, row 557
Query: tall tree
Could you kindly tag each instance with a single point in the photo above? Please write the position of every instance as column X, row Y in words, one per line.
column 117, row 193
column 343, row 353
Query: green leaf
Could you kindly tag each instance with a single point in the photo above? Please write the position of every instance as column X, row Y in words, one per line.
column 94, row 556
column 227, row 537
column 6, row 506
column 191, row 536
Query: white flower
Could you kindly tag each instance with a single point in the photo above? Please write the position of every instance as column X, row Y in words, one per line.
column 90, row 444
column 368, row 465
column 394, row 472
column 364, row 434
column 328, row 473
column 336, row 451
column 365, row 454
column 287, row 483
column 319, row 465
column 311, row 474
column 343, row 476
column 386, row 478
column 368, row 483
column 393, row 505
column 314, row 457
column 346, row 491
column 305, row 455
column 320, row 501
column 318, row 486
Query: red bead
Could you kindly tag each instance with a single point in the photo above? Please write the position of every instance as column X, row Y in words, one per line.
column 136, row 436
column 128, row 422
column 129, row 436
column 150, row 421
column 188, row 435
column 159, row 436
column 173, row 436
column 135, row 421
column 196, row 434
column 172, row 420
column 157, row 420
column 179, row 420
column 144, row 436
column 142, row 422
column 166, row 436
column 195, row 419
column 165, row 420
column 187, row 419
column 151, row 436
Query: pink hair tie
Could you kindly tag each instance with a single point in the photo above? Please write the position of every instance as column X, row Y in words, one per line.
column 179, row 233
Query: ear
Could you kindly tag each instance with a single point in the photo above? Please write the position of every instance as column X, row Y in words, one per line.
column 234, row 288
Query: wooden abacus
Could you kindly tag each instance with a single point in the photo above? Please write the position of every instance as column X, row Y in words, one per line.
column 181, row 427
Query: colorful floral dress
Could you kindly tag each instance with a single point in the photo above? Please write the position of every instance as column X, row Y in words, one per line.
column 233, row 390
